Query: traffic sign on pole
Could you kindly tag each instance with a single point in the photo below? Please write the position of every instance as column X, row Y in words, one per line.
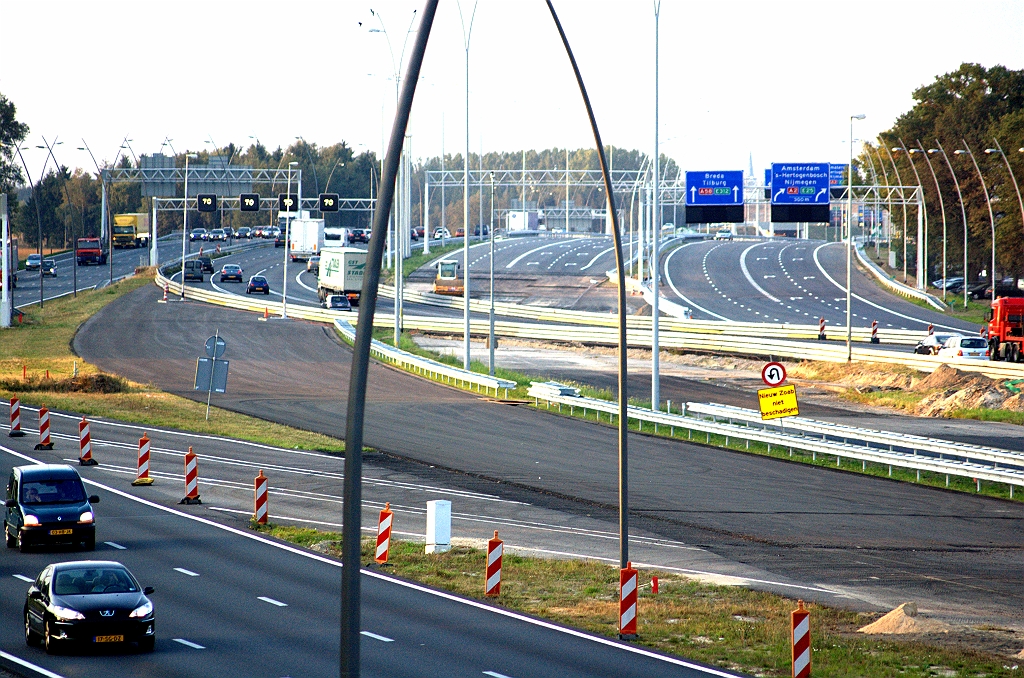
column 773, row 374
column 215, row 346
column 249, row 202
column 287, row 202
column 837, row 174
column 714, row 188
column 328, row 202
column 800, row 183
column 206, row 202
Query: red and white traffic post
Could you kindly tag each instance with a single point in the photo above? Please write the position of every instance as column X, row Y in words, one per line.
column 142, row 477
column 260, row 493
column 801, row 619
column 627, row 602
column 821, row 329
column 874, row 331
column 44, row 430
column 384, row 534
column 16, row 431
column 492, row 574
column 166, row 289
column 191, row 478
column 931, row 329
column 85, row 444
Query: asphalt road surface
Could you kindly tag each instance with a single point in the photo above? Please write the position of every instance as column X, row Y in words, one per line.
column 232, row 603
column 870, row 537
column 783, row 281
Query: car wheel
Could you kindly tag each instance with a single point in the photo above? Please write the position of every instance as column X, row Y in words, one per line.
column 52, row 646
column 11, row 541
column 267, row 293
column 147, row 644
column 22, row 544
column 90, row 543
column 32, row 639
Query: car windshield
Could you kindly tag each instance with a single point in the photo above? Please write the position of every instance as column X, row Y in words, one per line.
column 976, row 342
column 942, row 338
column 33, row 257
column 231, row 268
column 49, row 262
column 59, row 491
column 124, row 229
column 90, row 580
column 259, row 280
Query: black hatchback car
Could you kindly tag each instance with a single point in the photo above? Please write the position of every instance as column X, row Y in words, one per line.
column 88, row 603
column 257, row 283
column 47, row 504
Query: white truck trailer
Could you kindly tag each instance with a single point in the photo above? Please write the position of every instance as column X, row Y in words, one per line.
column 305, row 238
column 341, row 272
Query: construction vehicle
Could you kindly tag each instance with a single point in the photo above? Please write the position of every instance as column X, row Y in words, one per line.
column 448, row 279
column 1006, row 329
column 131, row 230
column 341, row 272
column 90, row 251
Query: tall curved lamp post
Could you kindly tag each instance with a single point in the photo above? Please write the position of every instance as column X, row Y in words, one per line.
column 991, row 216
column 942, row 208
column 849, row 245
column 999, row 149
column 963, row 209
column 922, row 229
column 184, row 222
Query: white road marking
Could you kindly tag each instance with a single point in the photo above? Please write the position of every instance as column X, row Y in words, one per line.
column 495, row 674
column 188, row 572
column 272, row 601
column 23, row 578
column 679, row 294
column 29, row 665
column 298, row 279
column 382, row 639
column 528, row 253
column 189, row 643
column 116, row 546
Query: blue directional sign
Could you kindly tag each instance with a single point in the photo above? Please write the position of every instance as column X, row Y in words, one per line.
column 768, row 177
column 837, row 174
column 800, row 183
column 714, row 188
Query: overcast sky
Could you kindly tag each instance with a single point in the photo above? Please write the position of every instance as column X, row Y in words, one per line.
column 778, row 79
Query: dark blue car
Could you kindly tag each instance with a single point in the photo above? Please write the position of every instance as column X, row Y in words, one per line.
column 47, row 504
column 257, row 283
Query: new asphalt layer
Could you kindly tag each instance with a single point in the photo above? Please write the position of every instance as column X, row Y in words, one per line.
column 876, row 540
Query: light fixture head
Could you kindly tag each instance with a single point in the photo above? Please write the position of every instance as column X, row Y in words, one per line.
column 933, row 150
column 859, row 116
column 194, row 156
column 896, row 149
column 990, row 150
column 293, row 163
column 959, row 151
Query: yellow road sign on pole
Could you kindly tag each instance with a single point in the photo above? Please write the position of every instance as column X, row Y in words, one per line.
column 778, row 402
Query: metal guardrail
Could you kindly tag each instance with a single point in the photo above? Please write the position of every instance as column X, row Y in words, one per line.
column 636, row 337
column 425, row 366
column 966, row 467
column 891, row 283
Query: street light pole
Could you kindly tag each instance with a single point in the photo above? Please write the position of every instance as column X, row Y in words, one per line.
column 287, row 225
column 991, row 216
column 942, row 208
column 849, row 244
column 466, row 36
column 490, row 334
column 184, row 223
column 655, row 231
column 963, row 210
column 922, row 229
column 999, row 149
column 903, row 204
column 39, row 217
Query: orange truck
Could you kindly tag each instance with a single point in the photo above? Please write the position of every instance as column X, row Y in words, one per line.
column 1006, row 329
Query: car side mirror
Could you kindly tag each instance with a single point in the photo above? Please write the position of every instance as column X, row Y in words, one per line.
column 11, row 503
column 94, row 499
column 149, row 590
column 35, row 594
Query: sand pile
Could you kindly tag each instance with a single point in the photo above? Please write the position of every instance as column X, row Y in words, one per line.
column 957, row 390
column 902, row 620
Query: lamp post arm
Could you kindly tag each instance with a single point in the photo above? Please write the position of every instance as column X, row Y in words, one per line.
column 1009, row 169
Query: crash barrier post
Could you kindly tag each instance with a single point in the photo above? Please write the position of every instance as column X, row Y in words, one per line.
column 931, row 329
column 801, row 641
column 821, row 330
column 16, row 431
column 44, row 430
column 492, row 578
column 260, row 515
column 166, row 289
column 85, row 444
column 142, row 477
column 874, row 331
column 384, row 534
column 654, row 585
column 191, row 479
column 627, row 602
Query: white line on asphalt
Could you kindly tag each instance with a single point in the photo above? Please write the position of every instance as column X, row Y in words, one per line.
column 679, row 294
column 526, row 254
column 495, row 674
column 382, row 639
column 272, row 601
column 29, row 665
column 23, row 578
column 746, row 272
column 188, row 572
column 298, row 279
column 189, row 643
column 484, row 607
column 116, row 546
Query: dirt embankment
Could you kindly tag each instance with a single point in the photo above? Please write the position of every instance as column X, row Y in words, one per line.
column 945, row 390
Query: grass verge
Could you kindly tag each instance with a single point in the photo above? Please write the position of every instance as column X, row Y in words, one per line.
column 37, row 365
column 730, row 627
column 417, row 260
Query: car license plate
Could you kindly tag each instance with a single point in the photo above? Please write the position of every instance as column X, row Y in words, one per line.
column 109, row 639
column 54, row 533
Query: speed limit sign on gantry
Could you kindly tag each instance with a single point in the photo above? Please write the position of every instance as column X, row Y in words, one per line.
column 773, row 374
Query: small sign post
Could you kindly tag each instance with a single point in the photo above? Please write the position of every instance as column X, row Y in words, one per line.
column 777, row 401
column 212, row 373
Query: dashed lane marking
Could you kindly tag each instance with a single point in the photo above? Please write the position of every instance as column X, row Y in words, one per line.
column 189, row 643
column 115, row 545
column 278, row 603
column 383, row 639
column 190, row 573
column 23, row 578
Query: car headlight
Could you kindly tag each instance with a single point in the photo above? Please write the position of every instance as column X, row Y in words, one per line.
column 66, row 613
column 142, row 611
column 86, row 517
column 31, row 520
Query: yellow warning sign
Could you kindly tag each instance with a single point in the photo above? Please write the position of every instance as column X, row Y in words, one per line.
column 778, row 402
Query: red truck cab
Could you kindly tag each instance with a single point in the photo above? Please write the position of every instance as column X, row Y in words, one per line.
column 91, row 251
column 1006, row 329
